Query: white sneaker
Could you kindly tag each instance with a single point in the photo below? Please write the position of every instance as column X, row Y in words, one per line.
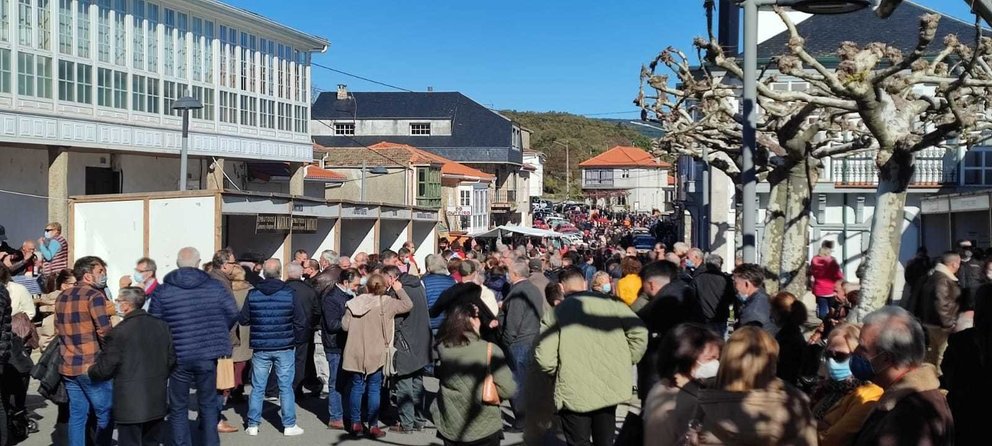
column 293, row 431
column 252, row 430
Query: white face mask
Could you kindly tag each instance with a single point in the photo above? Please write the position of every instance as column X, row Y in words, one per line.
column 706, row 370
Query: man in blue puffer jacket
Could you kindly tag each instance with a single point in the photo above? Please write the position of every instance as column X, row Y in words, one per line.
column 200, row 313
column 436, row 281
column 276, row 323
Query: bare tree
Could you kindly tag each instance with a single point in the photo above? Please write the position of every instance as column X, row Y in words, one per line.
column 877, row 98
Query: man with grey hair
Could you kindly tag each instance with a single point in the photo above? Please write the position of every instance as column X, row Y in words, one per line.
column 912, row 409
column 714, row 291
column 937, row 304
column 277, row 324
column 138, row 355
column 200, row 312
column 330, row 269
column 436, row 281
column 306, row 301
column 520, row 319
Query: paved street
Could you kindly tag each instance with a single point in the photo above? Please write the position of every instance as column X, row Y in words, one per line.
column 309, row 413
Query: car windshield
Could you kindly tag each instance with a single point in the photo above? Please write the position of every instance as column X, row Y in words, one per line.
column 644, row 240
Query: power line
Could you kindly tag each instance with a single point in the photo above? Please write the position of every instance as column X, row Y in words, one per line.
column 360, row 77
column 610, row 113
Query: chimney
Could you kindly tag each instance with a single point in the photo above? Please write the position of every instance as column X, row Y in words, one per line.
column 430, row 88
column 342, row 92
column 729, row 26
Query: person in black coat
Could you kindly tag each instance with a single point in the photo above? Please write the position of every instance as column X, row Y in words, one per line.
column 966, row 368
column 334, row 338
column 714, row 292
column 139, row 356
column 669, row 301
column 789, row 314
column 308, row 302
column 412, row 341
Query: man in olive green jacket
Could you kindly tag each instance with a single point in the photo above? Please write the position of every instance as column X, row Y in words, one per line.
column 589, row 344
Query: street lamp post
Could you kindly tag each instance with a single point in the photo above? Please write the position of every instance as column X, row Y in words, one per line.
column 568, row 171
column 749, row 178
column 185, row 104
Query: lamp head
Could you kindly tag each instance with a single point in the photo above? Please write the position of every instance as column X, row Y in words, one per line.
column 826, row 6
column 378, row 170
column 187, row 103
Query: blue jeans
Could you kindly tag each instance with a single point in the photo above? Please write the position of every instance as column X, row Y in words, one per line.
column 285, row 365
column 84, row 394
column 334, row 407
column 370, row 387
column 823, row 306
column 521, row 354
column 201, row 375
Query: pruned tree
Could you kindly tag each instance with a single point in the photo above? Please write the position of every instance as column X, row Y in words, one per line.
column 876, row 98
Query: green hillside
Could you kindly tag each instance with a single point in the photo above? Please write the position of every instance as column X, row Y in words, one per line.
column 585, row 137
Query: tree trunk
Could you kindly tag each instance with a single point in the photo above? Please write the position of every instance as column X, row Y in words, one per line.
column 894, row 173
column 795, row 239
column 771, row 239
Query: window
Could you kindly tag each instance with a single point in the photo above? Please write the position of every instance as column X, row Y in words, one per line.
column 171, row 92
column 120, row 41
column 44, row 25
column 153, row 38
column 151, row 87
column 599, row 177
column 120, row 89
column 181, row 46
column 228, row 107
column 465, row 197
column 285, row 116
column 206, row 97
column 344, row 128
column 625, row 173
column 429, row 187
column 103, row 30
column 34, row 75
column 978, row 167
column 197, row 51
column 139, row 98
column 249, row 109
column 301, row 119
column 5, row 70
column 84, row 83
column 170, row 55
column 420, row 129
column 208, row 62
column 104, row 87
column 262, row 71
column 67, row 81
column 65, row 26
column 267, row 114
column 83, row 28
column 138, row 32
column 5, row 20
column 24, row 22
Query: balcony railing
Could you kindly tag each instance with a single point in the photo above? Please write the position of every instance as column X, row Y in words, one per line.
column 934, row 167
column 593, row 183
column 504, row 197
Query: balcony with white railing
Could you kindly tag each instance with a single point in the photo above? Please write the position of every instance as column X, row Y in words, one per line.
column 935, row 167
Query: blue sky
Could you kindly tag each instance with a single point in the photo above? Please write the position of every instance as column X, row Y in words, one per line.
column 580, row 56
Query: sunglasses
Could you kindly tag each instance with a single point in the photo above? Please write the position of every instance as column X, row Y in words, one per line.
column 837, row 356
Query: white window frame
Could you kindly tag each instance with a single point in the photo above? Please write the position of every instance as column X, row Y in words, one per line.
column 420, row 129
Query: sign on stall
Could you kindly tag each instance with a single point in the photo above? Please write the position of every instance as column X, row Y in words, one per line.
column 267, row 223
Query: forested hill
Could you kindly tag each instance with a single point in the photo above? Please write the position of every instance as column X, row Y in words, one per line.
column 586, row 137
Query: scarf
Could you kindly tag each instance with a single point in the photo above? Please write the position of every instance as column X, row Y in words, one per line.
column 829, row 393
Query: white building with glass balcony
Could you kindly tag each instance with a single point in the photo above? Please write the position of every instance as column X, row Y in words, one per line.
column 86, row 94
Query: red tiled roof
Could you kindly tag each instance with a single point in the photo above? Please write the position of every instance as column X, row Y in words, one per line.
column 318, row 173
column 453, row 169
column 621, row 156
column 391, row 154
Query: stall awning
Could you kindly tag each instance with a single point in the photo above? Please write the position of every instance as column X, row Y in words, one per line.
column 508, row 230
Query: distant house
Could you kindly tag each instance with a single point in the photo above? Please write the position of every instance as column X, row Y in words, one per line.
column 447, row 124
column 628, row 178
column 400, row 174
column 535, row 160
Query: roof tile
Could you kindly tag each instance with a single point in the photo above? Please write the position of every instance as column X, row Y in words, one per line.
column 622, row 156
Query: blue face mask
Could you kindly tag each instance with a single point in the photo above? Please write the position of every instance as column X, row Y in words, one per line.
column 741, row 298
column 838, row 371
column 607, row 287
column 689, row 264
column 861, row 367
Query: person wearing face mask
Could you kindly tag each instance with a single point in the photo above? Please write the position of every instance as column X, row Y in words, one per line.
column 143, row 277
column 334, row 338
column 601, row 283
column 752, row 306
column 971, row 269
column 590, row 358
column 82, row 320
column 687, row 357
column 841, row 402
column 54, row 249
column 912, row 409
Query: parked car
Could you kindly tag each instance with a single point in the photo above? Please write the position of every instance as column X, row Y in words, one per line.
column 643, row 242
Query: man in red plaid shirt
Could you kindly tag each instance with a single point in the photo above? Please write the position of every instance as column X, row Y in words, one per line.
column 82, row 319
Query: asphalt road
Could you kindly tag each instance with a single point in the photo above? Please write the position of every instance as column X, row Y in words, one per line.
column 309, row 413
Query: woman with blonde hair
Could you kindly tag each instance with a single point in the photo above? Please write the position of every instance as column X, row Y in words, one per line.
column 841, row 403
column 748, row 404
column 601, row 283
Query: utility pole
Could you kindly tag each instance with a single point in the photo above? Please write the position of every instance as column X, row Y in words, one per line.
column 749, row 179
column 568, row 174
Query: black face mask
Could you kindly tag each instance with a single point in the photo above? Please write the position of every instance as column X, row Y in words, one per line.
column 306, row 277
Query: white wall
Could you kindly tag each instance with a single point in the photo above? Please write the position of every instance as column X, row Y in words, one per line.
column 113, row 231
column 176, row 223
column 382, row 127
column 23, row 171
column 357, row 236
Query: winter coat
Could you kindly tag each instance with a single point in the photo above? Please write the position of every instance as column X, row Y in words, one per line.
column 458, row 411
column 413, row 330
column 331, row 332
column 368, row 319
column 499, row 285
column 668, row 409
column 666, row 310
column 540, row 282
column 912, row 411
column 842, row 422
column 756, row 311
column 777, row 415
column 308, row 303
column 714, row 292
column 200, row 312
column 470, row 293
column 324, row 281
column 968, row 386
column 434, row 285
column 628, row 288
column 5, row 333
column 275, row 319
column 937, row 304
column 138, row 355
column 825, row 273
column 241, row 334
column 521, row 315
column 589, row 343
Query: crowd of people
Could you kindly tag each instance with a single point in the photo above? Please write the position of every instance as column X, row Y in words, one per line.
column 562, row 335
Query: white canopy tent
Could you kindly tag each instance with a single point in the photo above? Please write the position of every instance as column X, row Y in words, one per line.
column 510, row 230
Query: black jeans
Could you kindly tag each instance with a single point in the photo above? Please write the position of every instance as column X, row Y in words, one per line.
column 139, row 434
column 580, row 427
column 306, row 372
column 14, row 388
